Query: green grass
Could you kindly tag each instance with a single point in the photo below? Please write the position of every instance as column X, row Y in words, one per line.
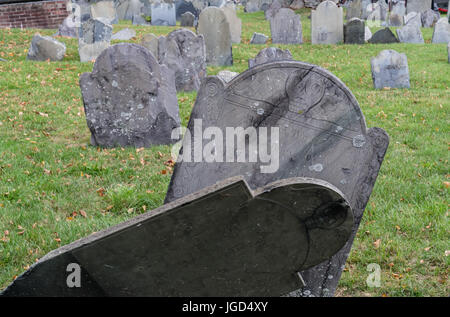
column 56, row 188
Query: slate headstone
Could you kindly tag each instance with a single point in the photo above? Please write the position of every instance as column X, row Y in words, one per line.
column 257, row 5
column 399, row 8
column 105, row 10
column 383, row 36
column 413, row 18
column 124, row 34
column 441, row 32
column 270, row 54
column 235, row 24
column 151, row 42
column 410, row 33
column 95, row 36
column 182, row 7
column 129, row 99
column 130, row 9
column 321, row 134
column 215, row 28
column 163, row 14
column 327, row 24
column 390, row 69
column 258, row 38
column 354, row 11
column 429, row 18
column 354, row 31
column 286, row 27
column 187, row 19
column 43, row 48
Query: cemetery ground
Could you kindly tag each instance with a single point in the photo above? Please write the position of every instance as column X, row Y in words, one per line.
column 56, row 188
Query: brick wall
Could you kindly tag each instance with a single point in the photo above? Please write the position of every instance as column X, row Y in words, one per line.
column 39, row 14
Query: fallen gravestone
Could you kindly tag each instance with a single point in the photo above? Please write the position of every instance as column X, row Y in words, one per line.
column 129, row 99
column 258, row 38
column 418, row 6
column 286, row 27
column 383, row 36
column 105, row 10
column 124, row 34
column 413, row 18
column 429, row 18
column 410, row 33
column 187, row 19
column 68, row 27
column 226, row 75
column 151, row 42
column 441, row 32
column 95, row 36
column 215, row 28
column 163, row 14
column 204, row 245
column 327, row 24
column 316, row 128
column 273, row 9
column 44, row 48
column 354, row 32
column 390, row 70
column 183, row 52
column 235, row 24
column 270, row 54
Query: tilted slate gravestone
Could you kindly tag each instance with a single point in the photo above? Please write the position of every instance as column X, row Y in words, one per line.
column 354, row 31
column 410, row 33
column 259, row 38
column 187, row 19
column 327, row 24
column 124, row 34
column 316, row 128
column 383, row 36
column 286, row 27
column 43, row 48
column 354, row 11
column 235, row 24
column 151, row 42
column 225, row 240
column 270, row 54
column 441, row 32
column 105, row 10
column 184, row 53
column 272, row 10
column 418, row 6
column 413, row 18
column 429, row 18
column 215, row 28
column 390, row 69
column 163, row 14
column 94, row 37
column 129, row 99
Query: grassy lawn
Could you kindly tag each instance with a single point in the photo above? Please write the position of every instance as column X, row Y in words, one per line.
column 56, row 188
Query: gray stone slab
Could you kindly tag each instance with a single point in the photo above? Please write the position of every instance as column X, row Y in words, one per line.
column 441, row 32
column 163, row 14
column 94, row 37
column 273, row 9
column 204, row 245
column 151, row 42
column 259, row 38
column 413, row 18
column 321, row 134
column 418, row 6
column 390, row 69
column 286, row 27
column 235, row 24
column 187, row 19
column 124, row 34
column 105, row 10
column 383, row 36
column 429, row 18
column 354, row 31
column 129, row 99
column 215, row 28
column 182, row 6
column 327, row 24
column 270, row 54
column 410, row 33
column 44, row 48
column 399, row 8
column 354, row 11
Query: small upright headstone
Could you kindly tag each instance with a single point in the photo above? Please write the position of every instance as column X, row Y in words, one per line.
column 410, row 33
column 354, row 31
column 105, row 10
column 270, row 54
column 441, row 33
column 95, row 36
column 429, row 18
column 44, row 48
column 383, row 36
column 327, row 24
column 215, row 28
column 235, row 24
column 286, row 27
column 163, row 14
column 187, row 19
column 151, row 42
column 129, row 99
column 258, row 38
column 413, row 18
column 390, row 70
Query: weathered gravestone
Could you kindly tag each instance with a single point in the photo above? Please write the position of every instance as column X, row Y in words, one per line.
column 383, row 36
column 273, row 9
column 225, row 240
column 105, row 10
column 429, row 18
column 354, row 11
column 258, row 38
column 327, row 24
column 187, row 19
column 286, row 27
column 184, row 53
column 413, row 18
column 316, row 130
column 163, row 14
column 410, row 34
column 124, row 34
column 418, row 6
column 215, row 28
column 441, row 32
column 354, row 31
column 182, row 7
column 129, row 99
column 44, row 48
column 390, row 70
column 151, row 42
column 399, row 8
column 270, row 54
column 95, row 36
column 235, row 24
